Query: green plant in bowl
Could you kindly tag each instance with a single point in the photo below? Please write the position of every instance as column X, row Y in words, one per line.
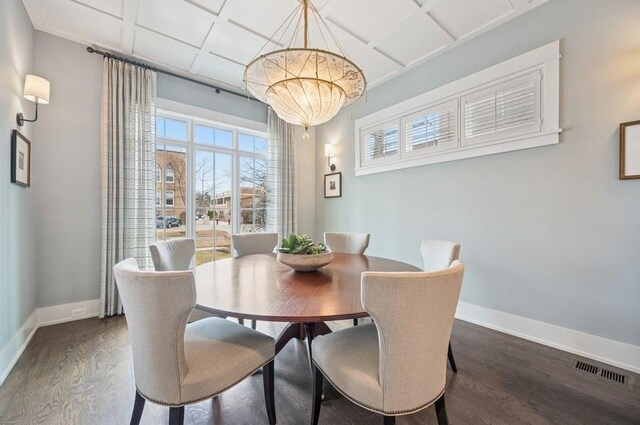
column 301, row 245
column 301, row 254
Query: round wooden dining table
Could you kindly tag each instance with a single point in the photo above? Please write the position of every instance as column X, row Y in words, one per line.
column 258, row 287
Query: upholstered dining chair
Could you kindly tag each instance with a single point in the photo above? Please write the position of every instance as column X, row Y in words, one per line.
column 391, row 366
column 175, row 363
column 175, row 255
column 253, row 243
column 437, row 255
column 350, row 243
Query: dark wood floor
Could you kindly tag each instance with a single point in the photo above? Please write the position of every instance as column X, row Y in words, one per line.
column 81, row 373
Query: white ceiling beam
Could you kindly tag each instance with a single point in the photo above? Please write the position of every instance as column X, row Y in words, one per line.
column 34, row 11
column 431, row 4
column 219, row 23
column 438, row 30
column 129, row 18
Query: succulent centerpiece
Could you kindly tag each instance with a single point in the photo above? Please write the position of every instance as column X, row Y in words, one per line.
column 302, row 254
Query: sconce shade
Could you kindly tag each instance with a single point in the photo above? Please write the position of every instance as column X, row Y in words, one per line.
column 328, row 150
column 36, row 89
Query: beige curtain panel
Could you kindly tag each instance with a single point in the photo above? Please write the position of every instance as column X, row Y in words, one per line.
column 127, row 144
column 281, row 177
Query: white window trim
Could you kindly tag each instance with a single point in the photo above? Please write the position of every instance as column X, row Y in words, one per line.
column 196, row 115
column 545, row 58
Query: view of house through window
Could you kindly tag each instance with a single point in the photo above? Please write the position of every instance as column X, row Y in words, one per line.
column 210, row 183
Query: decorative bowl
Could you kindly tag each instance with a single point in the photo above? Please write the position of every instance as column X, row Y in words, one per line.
column 305, row 263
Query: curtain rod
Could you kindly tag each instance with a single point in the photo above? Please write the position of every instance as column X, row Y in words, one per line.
column 162, row 71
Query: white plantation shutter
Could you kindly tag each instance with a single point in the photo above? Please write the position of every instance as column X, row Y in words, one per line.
column 380, row 143
column 433, row 129
column 505, row 110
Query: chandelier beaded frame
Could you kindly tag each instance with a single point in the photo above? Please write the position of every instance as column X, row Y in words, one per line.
column 303, row 85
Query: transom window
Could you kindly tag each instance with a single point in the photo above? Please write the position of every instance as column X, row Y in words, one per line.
column 215, row 182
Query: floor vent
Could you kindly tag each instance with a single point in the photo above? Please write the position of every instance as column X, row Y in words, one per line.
column 614, row 376
column 587, row 367
column 602, row 372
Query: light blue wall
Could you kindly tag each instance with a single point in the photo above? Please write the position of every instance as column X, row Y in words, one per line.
column 183, row 91
column 548, row 233
column 68, row 173
column 17, row 215
column 67, row 170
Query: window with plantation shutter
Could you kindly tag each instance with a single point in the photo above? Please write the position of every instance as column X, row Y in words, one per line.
column 433, row 129
column 504, row 110
column 509, row 106
column 380, row 143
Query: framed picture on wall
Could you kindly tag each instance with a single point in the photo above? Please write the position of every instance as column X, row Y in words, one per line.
column 333, row 185
column 20, row 159
column 630, row 150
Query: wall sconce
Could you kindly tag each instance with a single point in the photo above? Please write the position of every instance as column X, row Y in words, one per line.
column 329, row 151
column 36, row 89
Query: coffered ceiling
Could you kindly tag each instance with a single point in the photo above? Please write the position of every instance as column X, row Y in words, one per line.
column 213, row 40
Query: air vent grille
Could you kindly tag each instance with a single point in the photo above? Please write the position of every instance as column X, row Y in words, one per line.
column 601, row 372
column 587, row 367
column 614, row 376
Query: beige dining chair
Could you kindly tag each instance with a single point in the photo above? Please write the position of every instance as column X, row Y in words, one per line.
column 176, row 255
column 253, row 243
column 173, row 254
column 349, row 243
column 437, row 255
column 175, row 363
column 396, row 365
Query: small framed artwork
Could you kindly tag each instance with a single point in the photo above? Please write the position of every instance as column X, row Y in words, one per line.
column 630, row 150
column 333, row 185
column 20, row 159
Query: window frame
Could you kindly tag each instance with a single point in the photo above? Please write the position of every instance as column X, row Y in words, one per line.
column 173, row 199
column 166, row 174
column 545, row 59
column 177, row 111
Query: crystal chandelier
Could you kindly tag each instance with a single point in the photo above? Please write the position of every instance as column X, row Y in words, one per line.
column 303, row 85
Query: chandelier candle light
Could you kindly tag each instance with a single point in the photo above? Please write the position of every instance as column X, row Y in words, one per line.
column 304, row 86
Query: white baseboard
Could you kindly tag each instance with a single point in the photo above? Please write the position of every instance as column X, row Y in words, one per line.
column 65, row 312
column 619, row 354
column 43, row 316
column 615, row 353
column 15, row 347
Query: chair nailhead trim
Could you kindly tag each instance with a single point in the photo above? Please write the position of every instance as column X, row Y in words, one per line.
column 373, row 409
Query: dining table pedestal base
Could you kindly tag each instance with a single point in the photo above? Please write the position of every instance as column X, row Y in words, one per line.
column 301, row 331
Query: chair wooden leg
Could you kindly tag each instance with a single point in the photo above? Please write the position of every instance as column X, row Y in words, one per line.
column 138, row 407
column 268, row 380
column 241, row 321
column 176, row 415
column 389, row 420
column 441, row 412
column 452, row 361
column 253, row 324
column 316, row 400
column 355, row 322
